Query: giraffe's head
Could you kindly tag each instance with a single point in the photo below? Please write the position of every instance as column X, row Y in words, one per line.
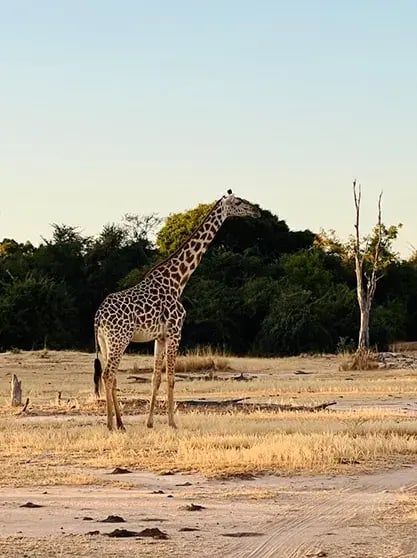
column 238, row 207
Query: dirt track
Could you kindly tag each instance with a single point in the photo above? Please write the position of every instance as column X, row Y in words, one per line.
column 267, row 517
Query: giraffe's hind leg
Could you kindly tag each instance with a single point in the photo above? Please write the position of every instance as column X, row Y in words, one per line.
column 156, row 378
column 98, row 376
column 109, row 378
column 108, row 383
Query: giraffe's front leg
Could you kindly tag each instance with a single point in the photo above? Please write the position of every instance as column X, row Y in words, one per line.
column 108, row 378
column 156, row 378
column 171, row 350
column 119, row 422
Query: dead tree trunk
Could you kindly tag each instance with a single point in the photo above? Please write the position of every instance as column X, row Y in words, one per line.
column 365, row 283
column 16, row 392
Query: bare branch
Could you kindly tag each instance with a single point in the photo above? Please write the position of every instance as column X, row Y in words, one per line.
column 357, row 193
column 377, row 251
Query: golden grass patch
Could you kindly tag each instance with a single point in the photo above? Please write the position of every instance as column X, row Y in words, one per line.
column 212, row 445
column 202, row 360
column 362, row 359
column 37, row 449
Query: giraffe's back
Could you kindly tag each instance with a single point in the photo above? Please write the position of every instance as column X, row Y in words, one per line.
column 138, row 313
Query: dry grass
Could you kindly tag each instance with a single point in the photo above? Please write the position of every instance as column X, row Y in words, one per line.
column 362, row 359
column 46, row 449
column 209, row 444
column 71, row 373
column 201, row 362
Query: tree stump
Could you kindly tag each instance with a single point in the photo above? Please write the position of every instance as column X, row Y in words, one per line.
column 16, row 392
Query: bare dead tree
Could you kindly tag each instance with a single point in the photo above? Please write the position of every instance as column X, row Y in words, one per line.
column 366, row 280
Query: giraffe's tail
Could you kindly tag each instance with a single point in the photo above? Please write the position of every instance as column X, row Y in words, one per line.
column 97, row 376
column 97, row 367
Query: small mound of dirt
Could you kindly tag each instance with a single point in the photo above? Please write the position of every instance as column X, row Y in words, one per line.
column 113, row 519
column 154, row 533
column 31, row 505
column 120, row 471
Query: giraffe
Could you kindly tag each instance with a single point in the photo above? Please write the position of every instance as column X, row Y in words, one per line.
column 152, row 311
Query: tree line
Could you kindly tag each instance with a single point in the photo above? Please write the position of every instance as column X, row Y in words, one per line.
column 261, row 289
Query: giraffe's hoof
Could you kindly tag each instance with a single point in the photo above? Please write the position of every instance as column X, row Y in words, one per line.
column 121, row 428
column 173, row 425
column 149, row 424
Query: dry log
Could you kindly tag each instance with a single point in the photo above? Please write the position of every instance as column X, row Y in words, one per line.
column 215, row 403
column 16, row 392
column 284, row 407
column 240, row 404
column 195, row 377
column 243, row 377
column 213, row 376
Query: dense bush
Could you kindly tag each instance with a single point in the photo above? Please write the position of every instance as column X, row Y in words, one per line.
column 260, row 289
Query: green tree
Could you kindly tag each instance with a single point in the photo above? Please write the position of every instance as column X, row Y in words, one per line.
column 310, row 306
column 178, row 227
column 35, row 311
column 266, row 235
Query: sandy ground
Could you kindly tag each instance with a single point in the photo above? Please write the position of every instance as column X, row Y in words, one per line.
column 265, row 517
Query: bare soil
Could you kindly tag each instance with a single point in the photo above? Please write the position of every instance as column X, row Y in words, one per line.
column 294, row 517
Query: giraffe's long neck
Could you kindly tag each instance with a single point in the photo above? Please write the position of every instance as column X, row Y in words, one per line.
column 179, row 267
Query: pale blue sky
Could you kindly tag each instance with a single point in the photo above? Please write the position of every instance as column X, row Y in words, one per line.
column 108, row 107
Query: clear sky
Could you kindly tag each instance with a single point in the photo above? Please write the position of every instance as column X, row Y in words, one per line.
column 108, row 107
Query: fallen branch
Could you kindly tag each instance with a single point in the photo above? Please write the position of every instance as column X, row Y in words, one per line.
column 195, row 377
column 243, row 378
column 215, row 403
column 25, row 406
column 239, row 404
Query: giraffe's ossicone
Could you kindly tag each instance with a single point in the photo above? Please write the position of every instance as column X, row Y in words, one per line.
column 151, row 310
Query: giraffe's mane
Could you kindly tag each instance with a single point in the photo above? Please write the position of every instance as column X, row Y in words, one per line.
column 189, row 237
